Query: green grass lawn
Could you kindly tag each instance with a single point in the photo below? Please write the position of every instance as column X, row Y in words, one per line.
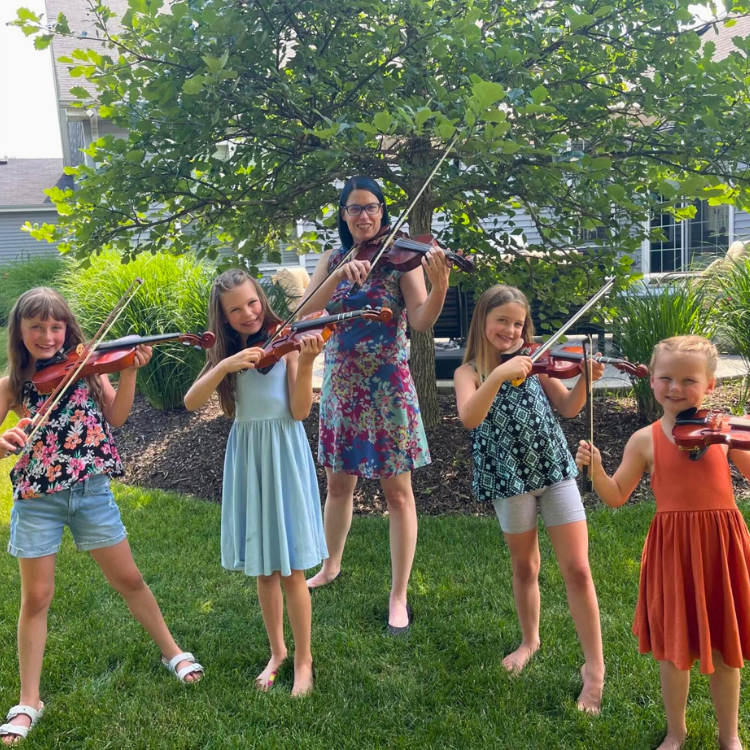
column 440, row 687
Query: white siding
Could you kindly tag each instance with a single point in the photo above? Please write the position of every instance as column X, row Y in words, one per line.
column 741, row 225
column 15, row 244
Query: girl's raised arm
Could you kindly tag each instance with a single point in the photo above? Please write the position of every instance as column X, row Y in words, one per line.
column 741, row 459
column 637, row 458
column 473, row 400
column 201, row 390
column 299, row 370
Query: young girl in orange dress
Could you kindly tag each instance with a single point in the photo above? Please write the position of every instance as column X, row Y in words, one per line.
column 694, row 598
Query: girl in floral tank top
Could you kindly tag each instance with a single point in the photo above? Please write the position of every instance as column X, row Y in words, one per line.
column 62, row 479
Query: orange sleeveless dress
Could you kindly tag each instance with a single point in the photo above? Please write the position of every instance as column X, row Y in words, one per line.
column 694, row 592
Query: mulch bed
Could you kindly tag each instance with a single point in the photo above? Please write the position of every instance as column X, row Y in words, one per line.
column 184, row 452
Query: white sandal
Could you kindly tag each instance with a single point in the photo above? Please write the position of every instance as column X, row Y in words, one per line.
column 18, row 730
column 171, row 665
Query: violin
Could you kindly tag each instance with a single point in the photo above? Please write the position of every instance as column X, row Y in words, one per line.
column 405, row 253
column 290, row 337
column 563, row 362
column 110, row 356
column 695, row 429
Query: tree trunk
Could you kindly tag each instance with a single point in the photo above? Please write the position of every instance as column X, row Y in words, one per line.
column 422, row 362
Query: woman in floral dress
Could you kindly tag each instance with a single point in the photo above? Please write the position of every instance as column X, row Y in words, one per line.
column 370, row 424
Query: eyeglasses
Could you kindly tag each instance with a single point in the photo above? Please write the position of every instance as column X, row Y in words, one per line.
column 356, row 210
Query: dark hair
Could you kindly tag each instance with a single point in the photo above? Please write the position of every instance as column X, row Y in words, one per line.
column 360, row 182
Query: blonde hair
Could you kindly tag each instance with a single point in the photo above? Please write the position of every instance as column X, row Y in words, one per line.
column 691, row 345
column 227, row 339
column 44, row 303
column 479, row 351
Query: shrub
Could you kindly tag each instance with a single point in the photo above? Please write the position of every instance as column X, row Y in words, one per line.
column 646, row 315
column 20, row 276
column 3, row 350
column 173, row 298
column 732, row 309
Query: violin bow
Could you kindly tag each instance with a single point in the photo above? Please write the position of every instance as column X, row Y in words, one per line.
column 383, row 247
column 588, row 364
column 560, row 332
column 86, row 353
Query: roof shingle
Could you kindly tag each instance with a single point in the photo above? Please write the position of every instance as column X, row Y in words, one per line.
column 23, row 181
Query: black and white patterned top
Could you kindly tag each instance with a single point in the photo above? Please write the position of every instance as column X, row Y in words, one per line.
column 520, row 446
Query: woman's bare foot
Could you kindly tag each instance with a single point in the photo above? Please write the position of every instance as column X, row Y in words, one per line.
column 518, row 659
column 322, row 578
column 264, row 681
column 590, row 699
column 673, row 742
column 303, row 680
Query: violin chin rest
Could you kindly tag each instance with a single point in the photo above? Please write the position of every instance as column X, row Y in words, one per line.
column 686, row 414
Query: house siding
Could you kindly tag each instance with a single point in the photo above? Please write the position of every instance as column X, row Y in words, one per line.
column 15, row 244
column 742, row 226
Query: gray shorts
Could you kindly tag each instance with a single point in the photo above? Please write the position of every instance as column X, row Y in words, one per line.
column 559, row 504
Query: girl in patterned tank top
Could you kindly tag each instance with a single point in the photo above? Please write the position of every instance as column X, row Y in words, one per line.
column 63, row 479
column 522, row 465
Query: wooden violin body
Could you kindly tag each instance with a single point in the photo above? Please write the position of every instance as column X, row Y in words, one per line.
column 406, row 253
column 290, row 338
column 696, row 429
column 564, row 362
column 110, row 356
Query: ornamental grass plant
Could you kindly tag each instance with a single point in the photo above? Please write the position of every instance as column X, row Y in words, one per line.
column 172, row 299
column 24, row 274
column 644, row 315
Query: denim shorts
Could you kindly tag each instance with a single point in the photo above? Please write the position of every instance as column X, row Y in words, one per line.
column 88, row 508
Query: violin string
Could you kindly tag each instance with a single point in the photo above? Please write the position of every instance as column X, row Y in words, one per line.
column 43, row 416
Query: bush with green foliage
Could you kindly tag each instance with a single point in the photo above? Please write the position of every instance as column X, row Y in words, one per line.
column 646, row 315
column 732, row 309
column 173, row 298
column 20, row 276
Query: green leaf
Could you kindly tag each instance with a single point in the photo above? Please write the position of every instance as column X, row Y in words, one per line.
column 615, row 191
column 599, row 163
column 487, row 93
column 139, row 6
column 215, row 64
column 80, row 93
column 193, row 85
column 366, row 127
column 179, row 10
column 422, row 115
column 539, row 94
column 382, row 121
column 44, row 41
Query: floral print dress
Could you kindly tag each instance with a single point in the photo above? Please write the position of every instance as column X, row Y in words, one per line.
column 74, row 444
column 370, row 424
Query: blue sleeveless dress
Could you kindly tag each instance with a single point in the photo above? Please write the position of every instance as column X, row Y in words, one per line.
column 270, row 516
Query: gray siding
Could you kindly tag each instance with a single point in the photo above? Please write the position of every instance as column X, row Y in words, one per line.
column 741, row 225
column 77, row 142
column 15, row 244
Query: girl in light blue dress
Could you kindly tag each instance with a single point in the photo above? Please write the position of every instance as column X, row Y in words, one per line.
column 271, row 523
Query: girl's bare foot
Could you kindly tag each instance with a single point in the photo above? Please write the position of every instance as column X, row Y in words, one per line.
column 590, row 699
column 322, row 578
column 303, row 680
column 731, row 744
column 518, row 659
column 673, row 742
column 264, row 681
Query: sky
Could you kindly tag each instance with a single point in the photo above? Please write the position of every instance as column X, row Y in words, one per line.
column 29, row 127
column 28, row 112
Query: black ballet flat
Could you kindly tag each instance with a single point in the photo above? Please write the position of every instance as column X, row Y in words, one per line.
column 393, row 630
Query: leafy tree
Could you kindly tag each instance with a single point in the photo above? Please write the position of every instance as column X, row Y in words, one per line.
column 581, row 115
